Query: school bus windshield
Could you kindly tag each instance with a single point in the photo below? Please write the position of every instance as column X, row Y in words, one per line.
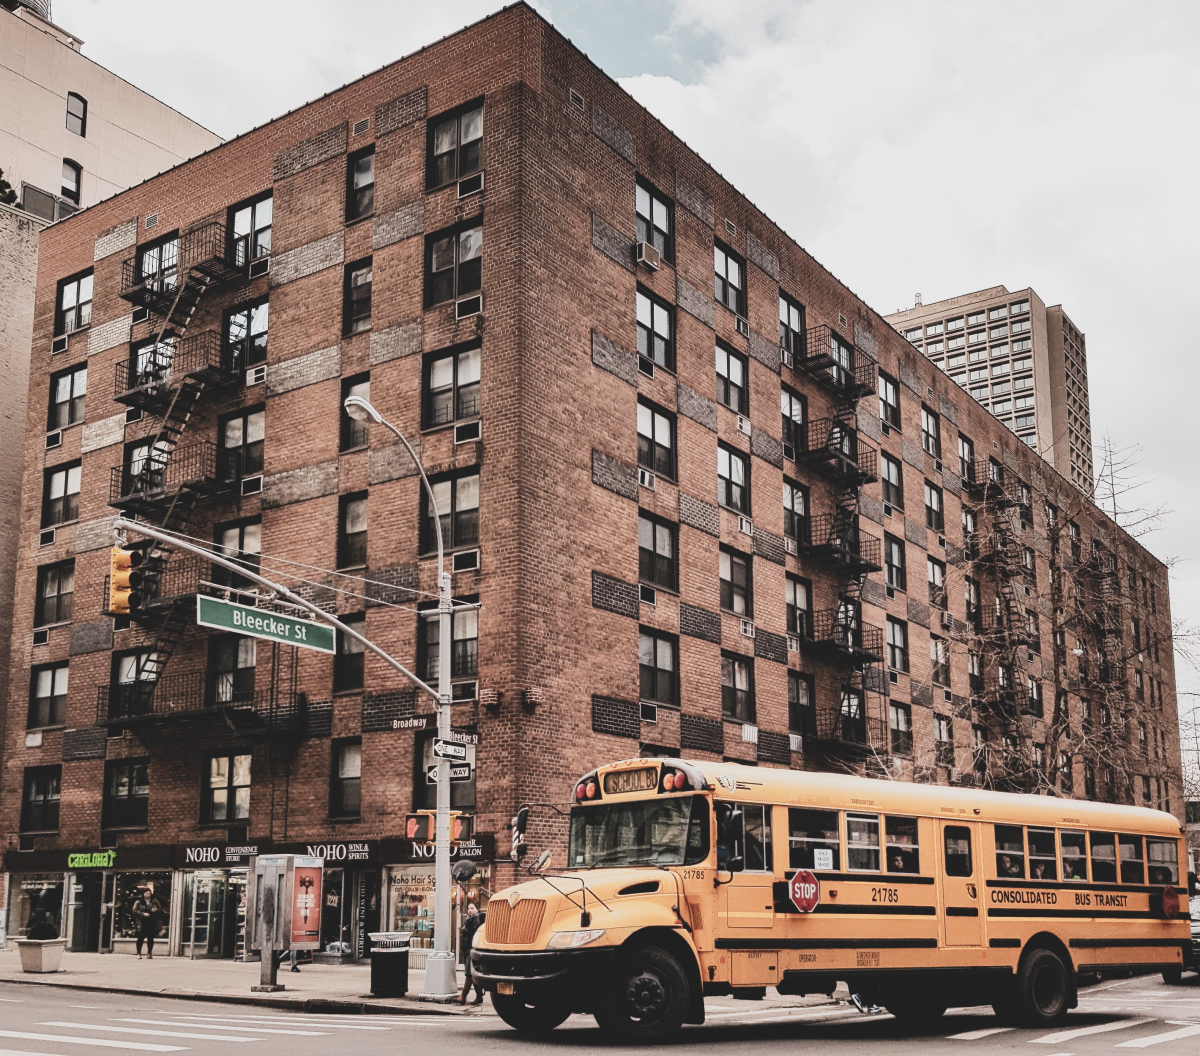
column 645, row 832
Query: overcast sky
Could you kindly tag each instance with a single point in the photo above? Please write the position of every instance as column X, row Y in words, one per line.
column 932, row 147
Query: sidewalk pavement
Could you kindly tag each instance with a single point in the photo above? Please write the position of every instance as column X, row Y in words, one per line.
column 340, row 988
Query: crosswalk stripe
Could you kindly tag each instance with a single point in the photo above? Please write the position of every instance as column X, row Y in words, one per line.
column 213, row 1026
column 1079, row 1032
column 142, row 1032
column 1158, row 1039
column 975, row 1035
column 104, row 1043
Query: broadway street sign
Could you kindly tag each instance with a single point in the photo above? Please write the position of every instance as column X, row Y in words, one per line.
column 225, row 616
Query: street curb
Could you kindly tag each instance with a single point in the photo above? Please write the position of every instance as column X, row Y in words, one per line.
column 313, row 1005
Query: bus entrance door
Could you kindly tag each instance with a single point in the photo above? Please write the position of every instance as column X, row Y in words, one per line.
column 962, row 883
column 744, row 837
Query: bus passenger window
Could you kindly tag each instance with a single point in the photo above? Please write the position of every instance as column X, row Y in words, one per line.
column 1074, row 855
column 813, row 841
column 862, row 843
column 1132, row 869
column 758, row 838
column 1010, row 852
column 1104, row 858
column 1163, row 858
column 731, row 843
column 903, row 855
column 1041, row 855
column 958, row 851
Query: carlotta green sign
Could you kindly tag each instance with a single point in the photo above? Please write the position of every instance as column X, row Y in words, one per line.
column 241, row 619
column 92, row 860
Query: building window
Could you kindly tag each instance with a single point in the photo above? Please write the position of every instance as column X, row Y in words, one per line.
column 246, row 335
column 348, row 661
column 966, row 458
column 227, row 789
column 795, row 511
column 897, row 644
column 792, row 407
column 464, row 647
column 39, row 804
column 931, row 433
column 455, row 145
column 935, row 572
column 251, row 226
column 654, row 220
column 242, row 440
column 894, row 563
column 354, row 433
column 357, row 297
column 797, row 594
column 658, row 561
column 352, row 531
column 48, row 696
column 733, row 480
column 939, row 661
column 60, row 494
column 453, row 264
column 791, row 326
column 737, row 687
column 971, row 591
column 943, row 739
column 55, row 593
column 457, row 501
column 900, row 720
column 76, row 114
column 68, row 393
column 734, row 571
column 1037, row 706
column 933, row 507
column 127, row 794
column 72, row 180
column 360, row 184
column 969, row 523
column 657, row 679
column 729, row 282
column 345, row 780
column 232, row 661
column 656, row 439
column 241, row 543
column 892, row 478
column 158, row 264
column 731, row 380
column 889, row 401
column 1076, row 542
column 654, row 330
column 452, row 386
column 802, row 717
column 74, row 304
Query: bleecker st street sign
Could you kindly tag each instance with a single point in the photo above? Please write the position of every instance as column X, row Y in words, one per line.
column 225, row 616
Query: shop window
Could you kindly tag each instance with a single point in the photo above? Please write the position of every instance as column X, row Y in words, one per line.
column 345, row 779
column 227, row 789
column 130, row 889
column 37, row 900
column 127, row 794
column 39, row 805
column 48, row 696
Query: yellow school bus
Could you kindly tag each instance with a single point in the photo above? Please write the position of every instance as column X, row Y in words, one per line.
column 688, row 879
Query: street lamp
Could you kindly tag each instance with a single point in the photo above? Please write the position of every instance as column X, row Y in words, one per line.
column 440, row 983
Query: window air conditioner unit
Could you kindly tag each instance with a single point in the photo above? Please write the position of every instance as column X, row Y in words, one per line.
column 46, row 538
column 256, row 375
column 743, row 326
column 466, row 561
column 745, row 525
column 648, row 595
column 789, row 544
column 54, row 439
column 649, row 256
column 470, row 185
column 649, row 712
column 955, row 775
column 793, row 643
column 747, row 628
column 789, row 452
column 59, row 344
column 141, row 314
column 646, row 479
column 749, row 733
column 260, row 267
column 743, row 424
column 948, row 621
column 134, row 414
column 468, row 306
column 466, row 432
column 894, row 678
column 796, row 742
column 785, row 357
column 252, row 485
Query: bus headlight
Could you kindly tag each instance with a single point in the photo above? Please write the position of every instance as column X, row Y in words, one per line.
column 569, row 940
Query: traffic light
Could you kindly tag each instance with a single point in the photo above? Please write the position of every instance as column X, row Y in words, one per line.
column 462, row 827
column 125, row 581
column 420, row 827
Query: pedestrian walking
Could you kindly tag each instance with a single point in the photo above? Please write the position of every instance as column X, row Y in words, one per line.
column 147, row 912
column 471, row 925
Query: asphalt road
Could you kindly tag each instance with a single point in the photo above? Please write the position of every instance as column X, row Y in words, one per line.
column 1114, row 1017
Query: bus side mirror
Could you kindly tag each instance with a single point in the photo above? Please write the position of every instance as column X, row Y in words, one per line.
column 735, row 864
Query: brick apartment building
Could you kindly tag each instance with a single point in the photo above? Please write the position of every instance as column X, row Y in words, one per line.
column 663, row 562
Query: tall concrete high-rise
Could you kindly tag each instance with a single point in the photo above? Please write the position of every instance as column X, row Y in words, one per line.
column 1024, row 361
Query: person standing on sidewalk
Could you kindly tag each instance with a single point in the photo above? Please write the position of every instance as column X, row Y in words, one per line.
column 147, row 912
column 471, row 925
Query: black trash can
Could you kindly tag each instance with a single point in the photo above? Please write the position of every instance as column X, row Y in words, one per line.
column 389, row 963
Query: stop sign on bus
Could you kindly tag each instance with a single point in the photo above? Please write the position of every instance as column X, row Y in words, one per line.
column 804, row 889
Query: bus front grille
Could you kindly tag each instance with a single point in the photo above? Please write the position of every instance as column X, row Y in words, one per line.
column 517, row 924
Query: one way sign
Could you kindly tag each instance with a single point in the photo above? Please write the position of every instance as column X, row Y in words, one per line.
column 449, row 750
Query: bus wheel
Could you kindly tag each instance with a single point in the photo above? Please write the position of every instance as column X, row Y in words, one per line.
column 1172, row 976
column 1043, row 990
column 529, row 1019
column 645, row 996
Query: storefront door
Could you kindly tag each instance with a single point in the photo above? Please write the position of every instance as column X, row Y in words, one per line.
column 91, row 905
column 204, row 914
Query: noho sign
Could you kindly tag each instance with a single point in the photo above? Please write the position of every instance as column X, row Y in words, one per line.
column 804, row 889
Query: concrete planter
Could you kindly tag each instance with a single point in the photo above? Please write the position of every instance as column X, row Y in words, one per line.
column 41, row 955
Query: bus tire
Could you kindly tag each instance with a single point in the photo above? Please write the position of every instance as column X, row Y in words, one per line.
column 645, row 996
column 1172, row 976
column 529, row 1019
column 1043, row 991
